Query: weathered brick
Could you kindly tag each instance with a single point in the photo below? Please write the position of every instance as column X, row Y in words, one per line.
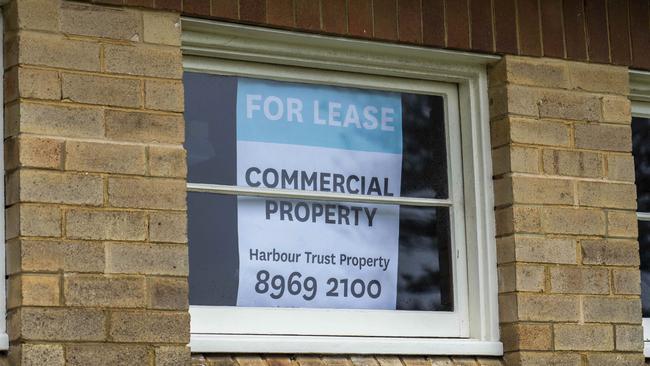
column 569, row 105
column 143, row 60
column 545, row 250
column 622, row 224
column 33, row 290
column 505, row 249
column 162, row 28
column 147, row 193
column 33, row 15
column 515, row 159
column 100, row 21
column 542, row 190
column 31, row 354
column 156, row 259
column 527, row 337
column 620, row 167
column 584, row 337
column 538, row 132
column 144, row 127
column 172, row 356
column 543, row 358
column 33, row 152
column 105, row 157
column 32, row 83
column 610, row 252
column 603, row 137
column 147, row 326
column 499, row 131
column 54, row 187
column 536, row 72
column 626, row 282
column 52, row 256
column 534, row 307
column 55, row 51
column 101, row 90
column 167, row 293
column 99, row 354
column 599, row 78
column 164, row 95
column 579, row 280
column 515, row 99
column 615, row 359
column 616, row 109
column 167, row 161
column 59, row 120
column 60, row 324
column 508, row 308
column 106, row 225
column 104, row 291
column 33, row 220
column 606, row 194
column 629, row 338
column 521, row 277
column 573, row 163
column 170, row 227
column 612, row 310
column 518, row 219
column 580, row 221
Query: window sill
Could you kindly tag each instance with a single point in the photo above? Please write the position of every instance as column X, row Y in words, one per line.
column 217, row 343
column 4, row 342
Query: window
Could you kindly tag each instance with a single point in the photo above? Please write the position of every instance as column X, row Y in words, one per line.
column 339, row 195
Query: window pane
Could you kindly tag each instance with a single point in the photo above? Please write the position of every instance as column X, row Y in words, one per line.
column 644, row 248
column 397, row 150
column 641, row 149
column 318, row 254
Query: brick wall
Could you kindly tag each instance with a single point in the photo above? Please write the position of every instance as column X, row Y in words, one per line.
column 602, row 31
column 566, row 224
column 96, row 251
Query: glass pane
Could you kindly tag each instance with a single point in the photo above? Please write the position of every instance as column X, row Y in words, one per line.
column 641, row 149
column 261, row 133
column 247, row 251
column 644, row 248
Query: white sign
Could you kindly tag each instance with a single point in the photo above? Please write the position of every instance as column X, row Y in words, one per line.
column 320, row 254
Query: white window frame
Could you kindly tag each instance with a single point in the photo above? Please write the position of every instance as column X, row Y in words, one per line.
column 4, row 337
column 640, row 96
column 472, row 329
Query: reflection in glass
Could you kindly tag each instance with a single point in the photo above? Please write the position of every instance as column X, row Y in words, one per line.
column 641, row 150
column 644, row 249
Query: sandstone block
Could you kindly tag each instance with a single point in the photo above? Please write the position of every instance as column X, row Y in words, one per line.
column 99, row 354
column 573, row 163
column 167, row 293
column 32, row 354
column 147, row 193
column 599, row 78
column 102, row 90
column 603, row 137
column 538, row 337
column 521, row 277
column 622, row 224
column 626, row 282
column 144, row 60
column 50, row 50
column 543, row 358
column 144, row 127
column 537, row 72
column 108, row 158
column 60, row 120
column 156, row 259
column 584, row 337
column 538, row 307
column 52, row 256
column 104, row 291
column 610, row 252
column 629, row 338
column 167, row 161
column 55, row 187
column 612, row 310
column 615, row 359
column 542, row 190
column 170, row 227
column 545, row 250
column 33, row 15
column 538, row 132
column 164, row 95
column 32, row 83
column 33, row 290
column 33, row 152
column 606, row 194
column 620, row 167
column 60, row 324
column 162, row 28
column 106, row 225
column 101, row 21
column 569, row 105
column 147, row 326
column 580, row 221
column 173, row 356
column 579, row 280
column 32, row 220
column 617, row 109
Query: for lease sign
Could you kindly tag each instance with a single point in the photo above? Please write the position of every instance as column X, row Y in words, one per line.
column 324, row 254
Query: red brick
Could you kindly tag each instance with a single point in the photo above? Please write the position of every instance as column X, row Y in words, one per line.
column 596, row 16
column 505, row 26
column 481, row 15
column 574, row 30
column 252, row 10
column 529, row 28
column 307, row 14
column 385, row 19
column 360, row 18
column 280, row 12
column 334, row 15
column 227, row 9
column 433, row 23
column 552, row 33
column 196, row 7
column 457, row 24
column 619, row 38
column 409, row 21
column 174, row 5
column 639, row 20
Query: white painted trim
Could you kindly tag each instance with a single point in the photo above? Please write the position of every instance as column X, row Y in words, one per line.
column 643, row 216
column 235, row 49
column 343, row 345
column 640, row 85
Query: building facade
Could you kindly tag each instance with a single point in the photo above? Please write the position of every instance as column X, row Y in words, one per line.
column 133, row 182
